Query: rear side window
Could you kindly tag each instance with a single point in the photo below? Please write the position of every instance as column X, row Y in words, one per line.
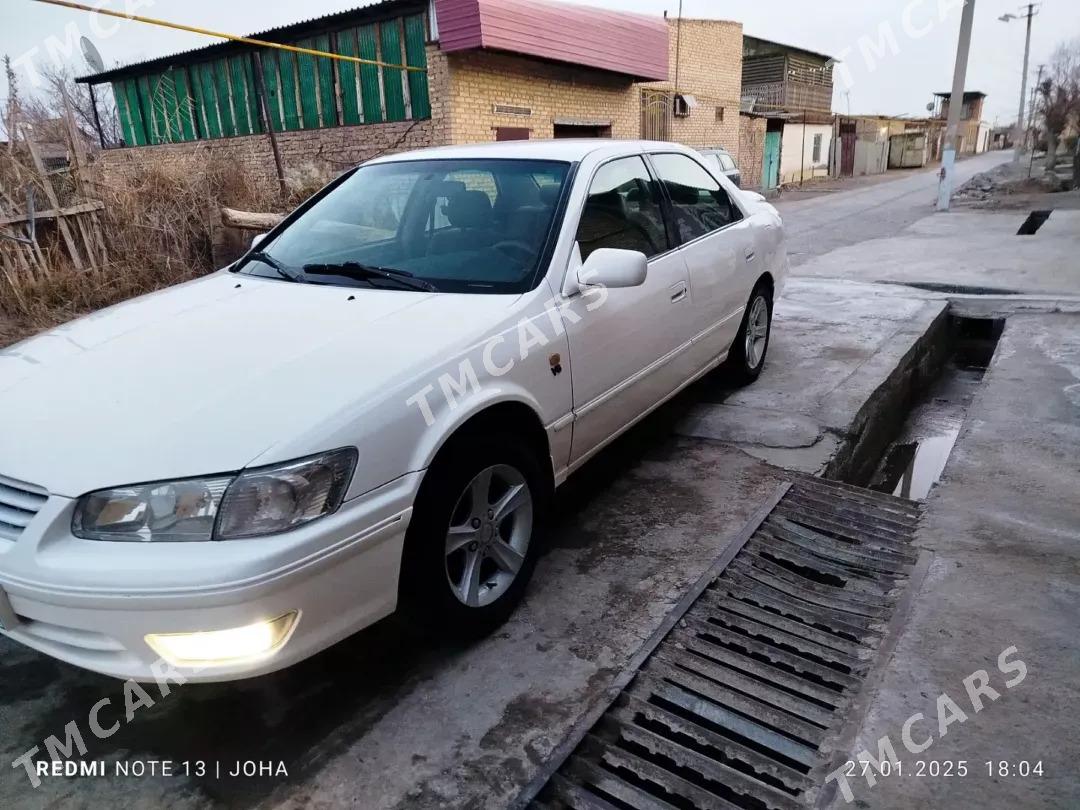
column 726, row 162
column 623, row 210
column 700, row 204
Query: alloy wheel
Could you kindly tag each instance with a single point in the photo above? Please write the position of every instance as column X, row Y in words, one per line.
column 757, row 331
column 489, row 534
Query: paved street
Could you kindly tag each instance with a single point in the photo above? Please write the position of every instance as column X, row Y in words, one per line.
column 835, row 219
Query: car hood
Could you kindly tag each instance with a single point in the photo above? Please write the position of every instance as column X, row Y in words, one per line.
column 211, row 375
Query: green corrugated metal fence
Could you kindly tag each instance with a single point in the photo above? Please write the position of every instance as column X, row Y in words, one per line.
column 217, row 98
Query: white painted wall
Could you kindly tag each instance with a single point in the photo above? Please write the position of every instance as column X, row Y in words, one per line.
column 795, row 159
column 983, row 142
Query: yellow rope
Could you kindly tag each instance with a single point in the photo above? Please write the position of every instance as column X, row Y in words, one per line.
column 248, row 40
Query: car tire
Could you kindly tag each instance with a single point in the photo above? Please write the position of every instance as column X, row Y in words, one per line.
column 470, row 591
column 746, row 358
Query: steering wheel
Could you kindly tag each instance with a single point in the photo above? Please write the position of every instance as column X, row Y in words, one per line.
column 516, row 249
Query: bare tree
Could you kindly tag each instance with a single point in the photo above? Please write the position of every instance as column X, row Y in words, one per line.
column 47, row 108
column 1059, row 96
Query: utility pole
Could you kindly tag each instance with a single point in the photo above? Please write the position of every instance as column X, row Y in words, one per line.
column 1018, row 135
column 956, row 103
column 1034, row 97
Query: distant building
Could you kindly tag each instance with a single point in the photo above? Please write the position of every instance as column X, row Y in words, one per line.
column 974, row 132
column 793, row 88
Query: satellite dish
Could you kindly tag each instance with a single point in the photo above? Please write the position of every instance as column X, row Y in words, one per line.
column 930, row 107
column 91, row 55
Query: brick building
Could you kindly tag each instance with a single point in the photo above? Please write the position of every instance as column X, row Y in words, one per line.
column 974, row 133
column 451, row 71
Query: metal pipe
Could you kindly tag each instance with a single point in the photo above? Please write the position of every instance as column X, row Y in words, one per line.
column 268, row 124
column 97, row 121
column 231, row 37
column 802, row 161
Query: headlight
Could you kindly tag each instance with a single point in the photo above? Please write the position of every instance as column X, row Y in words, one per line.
column 254, row 503
column 274, row 499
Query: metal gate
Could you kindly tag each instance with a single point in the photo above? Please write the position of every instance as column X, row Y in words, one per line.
column 656, row 112
column 770, row 175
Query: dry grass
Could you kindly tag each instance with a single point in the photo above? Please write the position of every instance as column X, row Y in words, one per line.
column 159, row 226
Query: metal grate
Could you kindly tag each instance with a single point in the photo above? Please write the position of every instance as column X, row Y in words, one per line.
column 743, row 700
column 510, row 109
column 19, row 503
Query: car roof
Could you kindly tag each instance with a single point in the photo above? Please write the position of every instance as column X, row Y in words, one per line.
column 562, row 149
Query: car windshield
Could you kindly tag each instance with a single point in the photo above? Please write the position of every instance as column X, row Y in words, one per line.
column 475, row 226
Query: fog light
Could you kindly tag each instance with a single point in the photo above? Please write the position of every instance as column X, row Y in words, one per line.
column 221, row 647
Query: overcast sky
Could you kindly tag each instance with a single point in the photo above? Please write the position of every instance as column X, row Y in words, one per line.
column 914, row 40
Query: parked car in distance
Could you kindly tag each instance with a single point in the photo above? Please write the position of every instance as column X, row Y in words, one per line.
column 720, row 160
column 370, row 411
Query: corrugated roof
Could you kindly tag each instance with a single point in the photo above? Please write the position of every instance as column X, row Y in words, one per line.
column 784, row 45
column 282, row 33
column 634, row 45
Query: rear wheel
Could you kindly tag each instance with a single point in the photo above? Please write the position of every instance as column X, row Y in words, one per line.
column 747, row 355
column 472, row 544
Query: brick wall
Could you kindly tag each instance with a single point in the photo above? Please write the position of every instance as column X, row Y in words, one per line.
column 709, row 58
column 481, row 79
column 751, row 154
column 331, row 150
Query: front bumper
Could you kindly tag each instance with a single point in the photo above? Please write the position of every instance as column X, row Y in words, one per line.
column 93, row 603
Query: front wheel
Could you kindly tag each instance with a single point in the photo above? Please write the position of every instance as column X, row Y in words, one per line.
column 747, row 355
column 472, row 544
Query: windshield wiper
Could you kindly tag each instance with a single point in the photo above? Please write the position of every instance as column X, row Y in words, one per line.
column 367, row 272
column 282, row 270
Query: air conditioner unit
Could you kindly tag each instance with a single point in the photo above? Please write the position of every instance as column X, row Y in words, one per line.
column 684, row 103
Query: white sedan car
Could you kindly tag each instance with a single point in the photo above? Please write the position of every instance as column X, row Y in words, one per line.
column 370, row 410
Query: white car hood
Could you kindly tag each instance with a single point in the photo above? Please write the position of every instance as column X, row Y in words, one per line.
column 209, row 376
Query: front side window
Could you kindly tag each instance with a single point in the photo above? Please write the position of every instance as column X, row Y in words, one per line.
column 623, row 210
column 473, row 226
column 700, row 204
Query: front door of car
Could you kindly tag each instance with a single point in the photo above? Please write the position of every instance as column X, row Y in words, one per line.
column 627, row 345
column 718, row 249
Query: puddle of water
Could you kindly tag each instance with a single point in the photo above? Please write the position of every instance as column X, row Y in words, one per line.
column 915, row 461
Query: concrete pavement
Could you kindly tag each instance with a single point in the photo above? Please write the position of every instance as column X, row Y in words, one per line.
column 819, row 225
column 1003, row 529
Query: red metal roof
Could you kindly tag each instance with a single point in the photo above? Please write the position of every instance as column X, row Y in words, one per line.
column 632, row 44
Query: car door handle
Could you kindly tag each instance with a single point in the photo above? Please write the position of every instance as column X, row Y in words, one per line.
column 678, row 292
column 750, row 256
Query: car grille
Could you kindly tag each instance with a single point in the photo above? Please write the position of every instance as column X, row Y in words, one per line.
column 19, row 503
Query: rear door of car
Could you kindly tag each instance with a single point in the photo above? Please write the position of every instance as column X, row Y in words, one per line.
column 716, row 242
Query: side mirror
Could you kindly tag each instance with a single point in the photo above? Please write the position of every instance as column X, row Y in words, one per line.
column 611, row 267
column 256, row 239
